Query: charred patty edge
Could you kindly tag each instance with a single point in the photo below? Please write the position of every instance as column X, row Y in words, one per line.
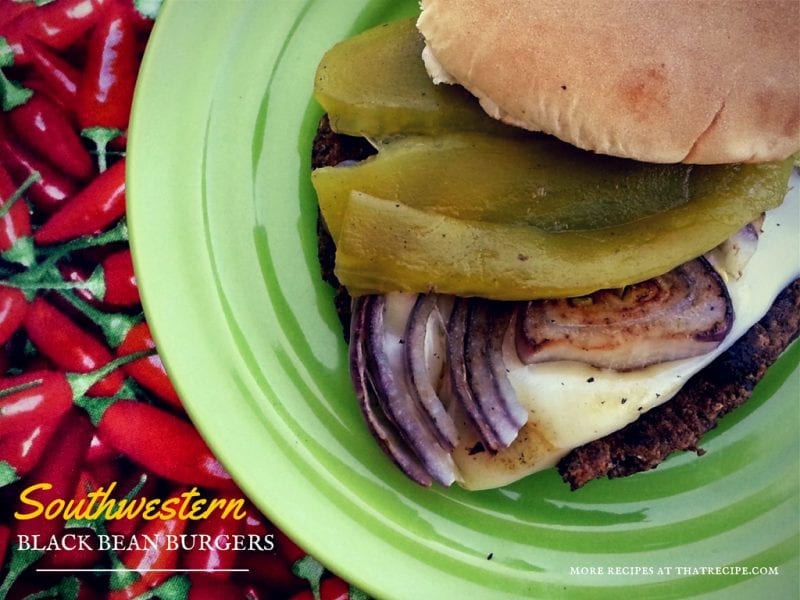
column 678, row 425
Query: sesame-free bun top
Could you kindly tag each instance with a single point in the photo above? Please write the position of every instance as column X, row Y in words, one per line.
column 691, row 81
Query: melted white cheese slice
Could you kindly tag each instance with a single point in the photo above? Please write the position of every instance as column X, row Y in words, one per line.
column 571, row 404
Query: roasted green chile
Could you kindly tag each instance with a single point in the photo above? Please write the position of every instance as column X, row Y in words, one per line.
column 457, row 203
column 375, row 85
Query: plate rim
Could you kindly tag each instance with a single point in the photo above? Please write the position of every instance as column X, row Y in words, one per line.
column 136, row 221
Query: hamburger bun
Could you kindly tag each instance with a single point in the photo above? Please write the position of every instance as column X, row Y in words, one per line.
column 671, row 81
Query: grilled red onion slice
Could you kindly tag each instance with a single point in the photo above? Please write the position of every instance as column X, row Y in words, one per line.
column 419, row 376
column 398, row 403
column 382, row 429
column 499, row 315
column 686, row 312
column 459, row 380
column 486, row 321
column 478, row 376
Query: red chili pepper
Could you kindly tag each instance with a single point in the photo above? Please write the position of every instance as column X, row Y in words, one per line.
column 13, row 307
column 10, row 10
column 72, row 554
column 205, row 588
column 270, row 571
column 273, row 570
column 121, row 289
column 255, row 523
column 58, row 24
column 119, row 143
column 61, row 470
column 5, row 361
column 78, row 549
column 253, row 591
column 288, row 549
column 52, row 188
column 109, row 75
column 60, row 77
column 152, row 564
column 162, row 443
column 61, row 340
column 24, row 450
column 148, row 489
column 77, row 274
column 36, row 585
column 87, row 482
column 105, row 471
column 5, row 537
column 118, row 278
column 130, row 335
column 87, row 591
column 148, row 372
column 333, row 588
column 37, row 362
column 91, row 210
column 143, row 24
column 100, row 451
column 34, row 398
column 215, row 560
column 15, row 225
column 42, row 126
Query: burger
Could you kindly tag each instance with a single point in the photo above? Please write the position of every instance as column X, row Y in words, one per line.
column 563, row 234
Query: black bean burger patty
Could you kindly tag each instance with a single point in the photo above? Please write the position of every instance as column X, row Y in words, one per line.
column 329, row 150
column 675, row 425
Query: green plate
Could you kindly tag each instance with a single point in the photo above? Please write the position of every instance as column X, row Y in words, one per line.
column 222, row 219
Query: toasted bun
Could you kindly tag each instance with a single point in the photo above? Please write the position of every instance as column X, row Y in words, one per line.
column 668, row 81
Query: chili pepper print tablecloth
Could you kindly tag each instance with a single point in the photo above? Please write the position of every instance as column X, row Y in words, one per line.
column 88, row 416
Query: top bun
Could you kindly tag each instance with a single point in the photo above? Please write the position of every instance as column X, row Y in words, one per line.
column 669, row 81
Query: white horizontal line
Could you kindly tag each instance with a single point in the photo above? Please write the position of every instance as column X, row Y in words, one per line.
column 143, row 571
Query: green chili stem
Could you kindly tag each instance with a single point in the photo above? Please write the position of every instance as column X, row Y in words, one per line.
column 20, row 560
column 101, row 136
column 51, row 285
column 118, row 234
column 81, row 382
column 115, row 326
column 9, row 202
column 45, row 276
